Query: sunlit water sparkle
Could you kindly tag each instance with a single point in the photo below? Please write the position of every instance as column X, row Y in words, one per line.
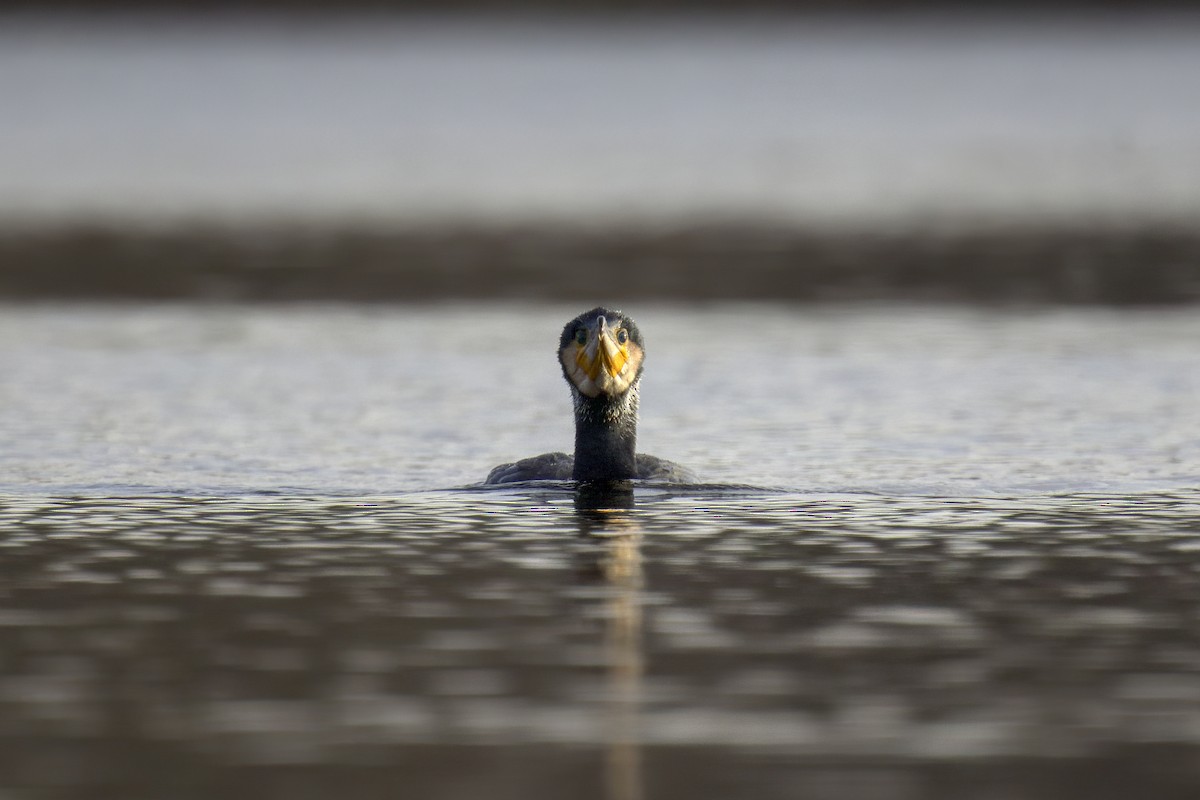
column 241, row 554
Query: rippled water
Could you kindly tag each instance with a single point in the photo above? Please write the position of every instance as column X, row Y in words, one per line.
column 240, row 556
column 204, row 400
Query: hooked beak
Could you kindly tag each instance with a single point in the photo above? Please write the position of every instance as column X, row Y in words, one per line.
column 602, row 359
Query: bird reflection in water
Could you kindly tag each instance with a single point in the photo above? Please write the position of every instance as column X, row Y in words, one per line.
column 605, row 513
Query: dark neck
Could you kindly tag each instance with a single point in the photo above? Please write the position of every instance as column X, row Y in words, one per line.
column 605, row 438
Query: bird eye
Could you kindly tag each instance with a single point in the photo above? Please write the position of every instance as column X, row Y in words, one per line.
column 580, row 336
column 622, row 336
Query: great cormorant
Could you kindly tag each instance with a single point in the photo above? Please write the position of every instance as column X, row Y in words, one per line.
column 601, row 354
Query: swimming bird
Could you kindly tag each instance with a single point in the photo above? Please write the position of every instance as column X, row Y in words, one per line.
column 601, row 354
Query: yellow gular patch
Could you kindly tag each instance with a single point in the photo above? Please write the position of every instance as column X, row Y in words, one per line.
column 589, row 365
column 581, row 370
column 601, row 367
column 631, row 364
column 613, row 355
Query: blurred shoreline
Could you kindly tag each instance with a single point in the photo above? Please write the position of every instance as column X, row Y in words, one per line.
column 1144, row 264
column 388, row 158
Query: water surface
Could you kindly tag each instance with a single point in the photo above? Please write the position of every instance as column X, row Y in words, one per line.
column 242, row 556
column 898, row 119
column 345, row 400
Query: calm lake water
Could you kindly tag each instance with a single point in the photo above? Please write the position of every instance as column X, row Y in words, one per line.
column 652, row 119
column 937, row 554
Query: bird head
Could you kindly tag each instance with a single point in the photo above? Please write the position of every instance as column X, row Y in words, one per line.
column 601, row 353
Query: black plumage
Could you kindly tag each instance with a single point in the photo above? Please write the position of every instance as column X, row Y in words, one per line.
column 601, row 354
